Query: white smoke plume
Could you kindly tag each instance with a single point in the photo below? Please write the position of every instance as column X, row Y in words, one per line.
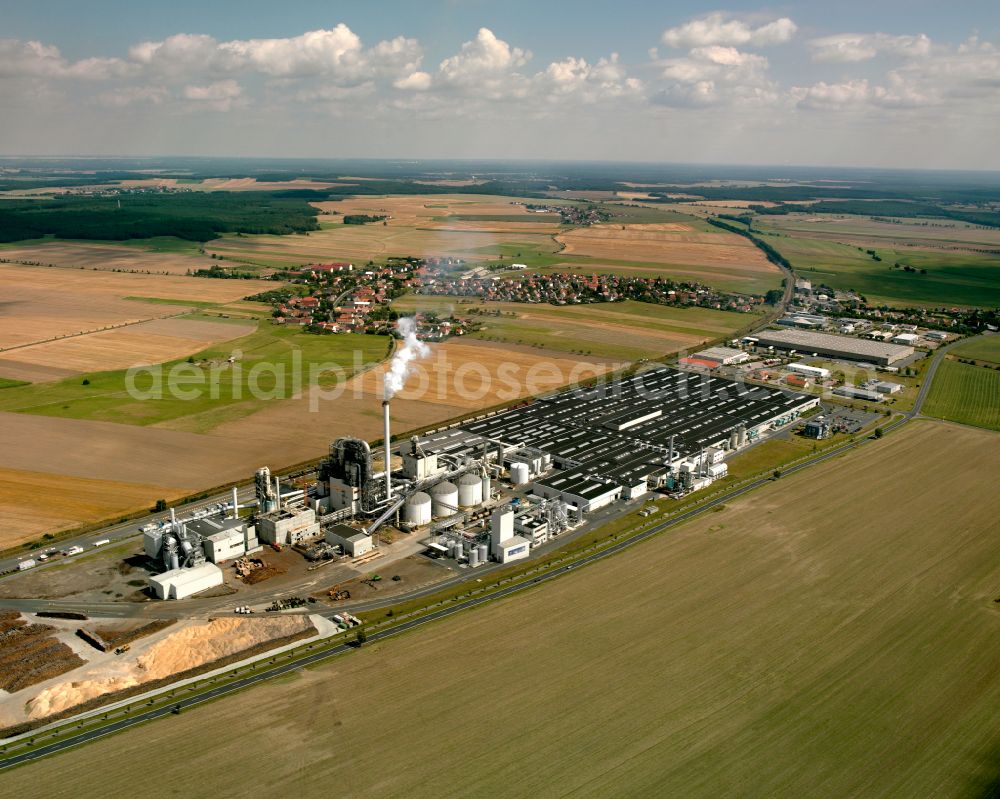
column 406, row 353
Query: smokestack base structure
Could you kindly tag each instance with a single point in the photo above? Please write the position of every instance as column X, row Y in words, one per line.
column 388, row 467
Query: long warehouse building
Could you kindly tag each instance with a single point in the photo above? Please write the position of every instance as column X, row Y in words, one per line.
column 614, row 441
column 807, row 342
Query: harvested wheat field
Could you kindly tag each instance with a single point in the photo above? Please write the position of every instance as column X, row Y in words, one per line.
column 420, row 225
column 32, row 503
column 151, row 342
column 131, row 453
column 82, row 255
column 664, row 243
column 458, row 377
column 758, row 652
column 40, row 303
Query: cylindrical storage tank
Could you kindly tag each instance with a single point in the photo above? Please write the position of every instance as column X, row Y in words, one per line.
column 519, row 474
column 417, row 509
column 487, row 488
column 473, row 557
column 742, row 437
column 444, row 499
column 470, row 490
column 484, row 553
column 456, row 550
column 734, row 440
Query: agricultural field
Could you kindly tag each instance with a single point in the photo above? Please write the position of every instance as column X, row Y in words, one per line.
column 79, row 306
column 459, row 376
column 33, row 503
column 965, row 393
column 419, row 225
column 679, row 249
column 927, row 234
column 964, row 275
column 150, row 342
column 160, row 256
column 759, row 651
column 626, row 331
column 269, row 364
column 980, row 348
column 484, row 229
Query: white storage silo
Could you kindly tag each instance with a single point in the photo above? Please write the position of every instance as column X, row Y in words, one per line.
column 473, row 557
column 487, row 488
column 519, row 473
column 417, row 509
column 484, row 553
column 470, row 490
column 444, row 499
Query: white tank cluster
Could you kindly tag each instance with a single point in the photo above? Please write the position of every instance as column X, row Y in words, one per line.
column 444, row 499
column 470, row 490
column 417, row 509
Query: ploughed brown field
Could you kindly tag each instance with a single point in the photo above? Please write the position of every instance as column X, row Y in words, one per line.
column 833, row 634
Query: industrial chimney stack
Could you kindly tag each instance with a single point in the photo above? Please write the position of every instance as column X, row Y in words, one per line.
column 388, row 468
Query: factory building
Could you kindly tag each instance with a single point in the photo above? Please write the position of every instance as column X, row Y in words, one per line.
column 856, row 392
column 287, row 526
column 581, row 490
column 808, row 371
column 907, row 339
column 818, row 428
column 224, row 539
column 182, row 583
column 805, row 341
column 720, row 356
column 354, row 542
column 505, row 546
column 618, row 441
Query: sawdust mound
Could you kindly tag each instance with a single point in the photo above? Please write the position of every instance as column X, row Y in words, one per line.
column 185, row 649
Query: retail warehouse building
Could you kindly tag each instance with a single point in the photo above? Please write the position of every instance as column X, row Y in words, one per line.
column 807, row 342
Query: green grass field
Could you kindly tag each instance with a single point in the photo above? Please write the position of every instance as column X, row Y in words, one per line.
column 966, row 394
column 981, row 348
column 622, row 331
column 952, row 278
column 6, row 382
column 210, row 393
column 162, row 301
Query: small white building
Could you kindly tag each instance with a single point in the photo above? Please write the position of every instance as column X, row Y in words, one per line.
column 518, row 266
column 811, row 371
column 512, row 549
column 354, row 542
column 907, row 339
column 181, row 583
column 885, row 387
column 225, row 539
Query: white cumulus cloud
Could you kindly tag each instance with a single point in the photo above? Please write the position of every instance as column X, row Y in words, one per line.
column 718, row 28
column 484, row 57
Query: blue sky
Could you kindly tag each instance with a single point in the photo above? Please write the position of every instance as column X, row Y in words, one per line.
column 881, row 83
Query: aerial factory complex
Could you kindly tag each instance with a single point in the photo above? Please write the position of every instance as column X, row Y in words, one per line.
column 494, row 486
